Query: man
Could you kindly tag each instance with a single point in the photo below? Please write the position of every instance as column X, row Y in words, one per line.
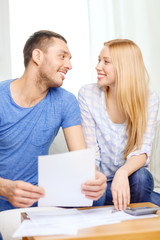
column 33, row 108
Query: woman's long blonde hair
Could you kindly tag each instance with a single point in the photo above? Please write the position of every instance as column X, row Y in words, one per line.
column 132, row 88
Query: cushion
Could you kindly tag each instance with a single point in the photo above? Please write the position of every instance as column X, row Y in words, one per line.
column 155, row 157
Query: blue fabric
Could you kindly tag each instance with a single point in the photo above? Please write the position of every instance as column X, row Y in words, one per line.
column 26, row 133
column 6, row 205
column 1, row 238
column 141, row 189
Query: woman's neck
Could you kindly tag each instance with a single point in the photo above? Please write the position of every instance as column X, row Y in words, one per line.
column 112, row 107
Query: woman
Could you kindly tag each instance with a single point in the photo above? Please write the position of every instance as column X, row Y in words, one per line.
column 118, row 117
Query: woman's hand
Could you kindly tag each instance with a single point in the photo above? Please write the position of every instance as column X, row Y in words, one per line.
column 120, row 189
column 94, row 189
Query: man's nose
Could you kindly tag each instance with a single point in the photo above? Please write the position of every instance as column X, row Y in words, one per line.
column 68, row 65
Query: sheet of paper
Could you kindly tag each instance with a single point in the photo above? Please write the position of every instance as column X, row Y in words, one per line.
column 83, row 218
column 28, row 229
column 58, row 221
column 42, row 212
column 101, row 216
column 65, row 219
column 72, row 217
column 61, row 175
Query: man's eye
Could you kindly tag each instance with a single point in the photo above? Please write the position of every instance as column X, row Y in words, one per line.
column 106, row 62
column 62, row 56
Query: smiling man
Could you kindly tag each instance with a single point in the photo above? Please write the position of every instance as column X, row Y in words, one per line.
column 33, row 108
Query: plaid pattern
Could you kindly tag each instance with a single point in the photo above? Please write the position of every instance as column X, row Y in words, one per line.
column 107, row 138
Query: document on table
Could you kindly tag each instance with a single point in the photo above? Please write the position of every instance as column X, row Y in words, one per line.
column 105, row 215
column 57, row 222
column 69, row 221
column 61, row 175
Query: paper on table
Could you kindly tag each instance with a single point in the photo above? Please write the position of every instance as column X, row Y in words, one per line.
column 29, row 229
column 61, row 175
column 58, row 221
column 101, row 216
column 69, row 221
column 83, row 218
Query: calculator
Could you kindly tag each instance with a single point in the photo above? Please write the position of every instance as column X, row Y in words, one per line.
column 142, row 210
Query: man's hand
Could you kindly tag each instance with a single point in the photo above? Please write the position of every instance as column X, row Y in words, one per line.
column 94, row 189
column 22, row 194
column 120, row 190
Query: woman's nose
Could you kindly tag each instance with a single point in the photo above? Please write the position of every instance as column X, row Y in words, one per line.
column 99, row 66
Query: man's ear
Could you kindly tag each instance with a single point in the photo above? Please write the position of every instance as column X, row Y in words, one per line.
column 37, row 56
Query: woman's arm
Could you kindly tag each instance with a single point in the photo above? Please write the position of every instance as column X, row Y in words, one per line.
column 88, row 125
column 92, row 189
column 120, row 186
column 153, row 106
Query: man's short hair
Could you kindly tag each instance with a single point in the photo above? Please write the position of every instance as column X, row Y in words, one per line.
column 41, row 40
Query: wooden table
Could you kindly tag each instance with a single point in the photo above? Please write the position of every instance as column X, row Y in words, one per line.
column 147, row 229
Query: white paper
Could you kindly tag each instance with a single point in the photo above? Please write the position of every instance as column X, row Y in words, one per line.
column 42, row 212
column 61, row 175
column 58, row 221
column 83, row 218
column 102, row 216
column 63, row 219
column 29, row 229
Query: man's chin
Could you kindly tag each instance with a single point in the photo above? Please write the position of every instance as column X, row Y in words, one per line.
column 55, row 85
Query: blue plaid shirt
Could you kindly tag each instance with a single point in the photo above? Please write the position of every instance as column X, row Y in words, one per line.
column 107, row 138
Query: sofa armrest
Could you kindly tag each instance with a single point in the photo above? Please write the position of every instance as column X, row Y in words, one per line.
column 155, row 157
column 59, row 144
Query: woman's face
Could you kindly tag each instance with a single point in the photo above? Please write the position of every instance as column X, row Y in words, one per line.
column 105, row 70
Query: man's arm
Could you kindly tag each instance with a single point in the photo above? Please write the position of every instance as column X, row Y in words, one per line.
column 74, row 138
column 20, row 194
column 95, row 188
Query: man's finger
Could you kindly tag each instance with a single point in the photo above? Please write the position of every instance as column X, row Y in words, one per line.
column 29, row 187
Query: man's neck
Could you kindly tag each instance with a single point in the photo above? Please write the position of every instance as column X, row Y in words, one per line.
column 26, row 92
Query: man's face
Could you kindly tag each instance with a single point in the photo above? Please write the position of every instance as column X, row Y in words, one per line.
column 55, row 64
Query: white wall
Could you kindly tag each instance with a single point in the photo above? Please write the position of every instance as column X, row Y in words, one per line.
column 137, row 20
column 5, row 60
column 67, row 17
column 86, row 24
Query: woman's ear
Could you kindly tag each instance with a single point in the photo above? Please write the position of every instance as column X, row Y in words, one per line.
column 37, row 56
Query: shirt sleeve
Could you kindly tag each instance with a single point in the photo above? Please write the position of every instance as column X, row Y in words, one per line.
column 88, row 123
column 70, row 111
column 153, row 106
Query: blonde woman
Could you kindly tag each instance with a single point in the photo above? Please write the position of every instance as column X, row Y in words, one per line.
column 118, row 118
